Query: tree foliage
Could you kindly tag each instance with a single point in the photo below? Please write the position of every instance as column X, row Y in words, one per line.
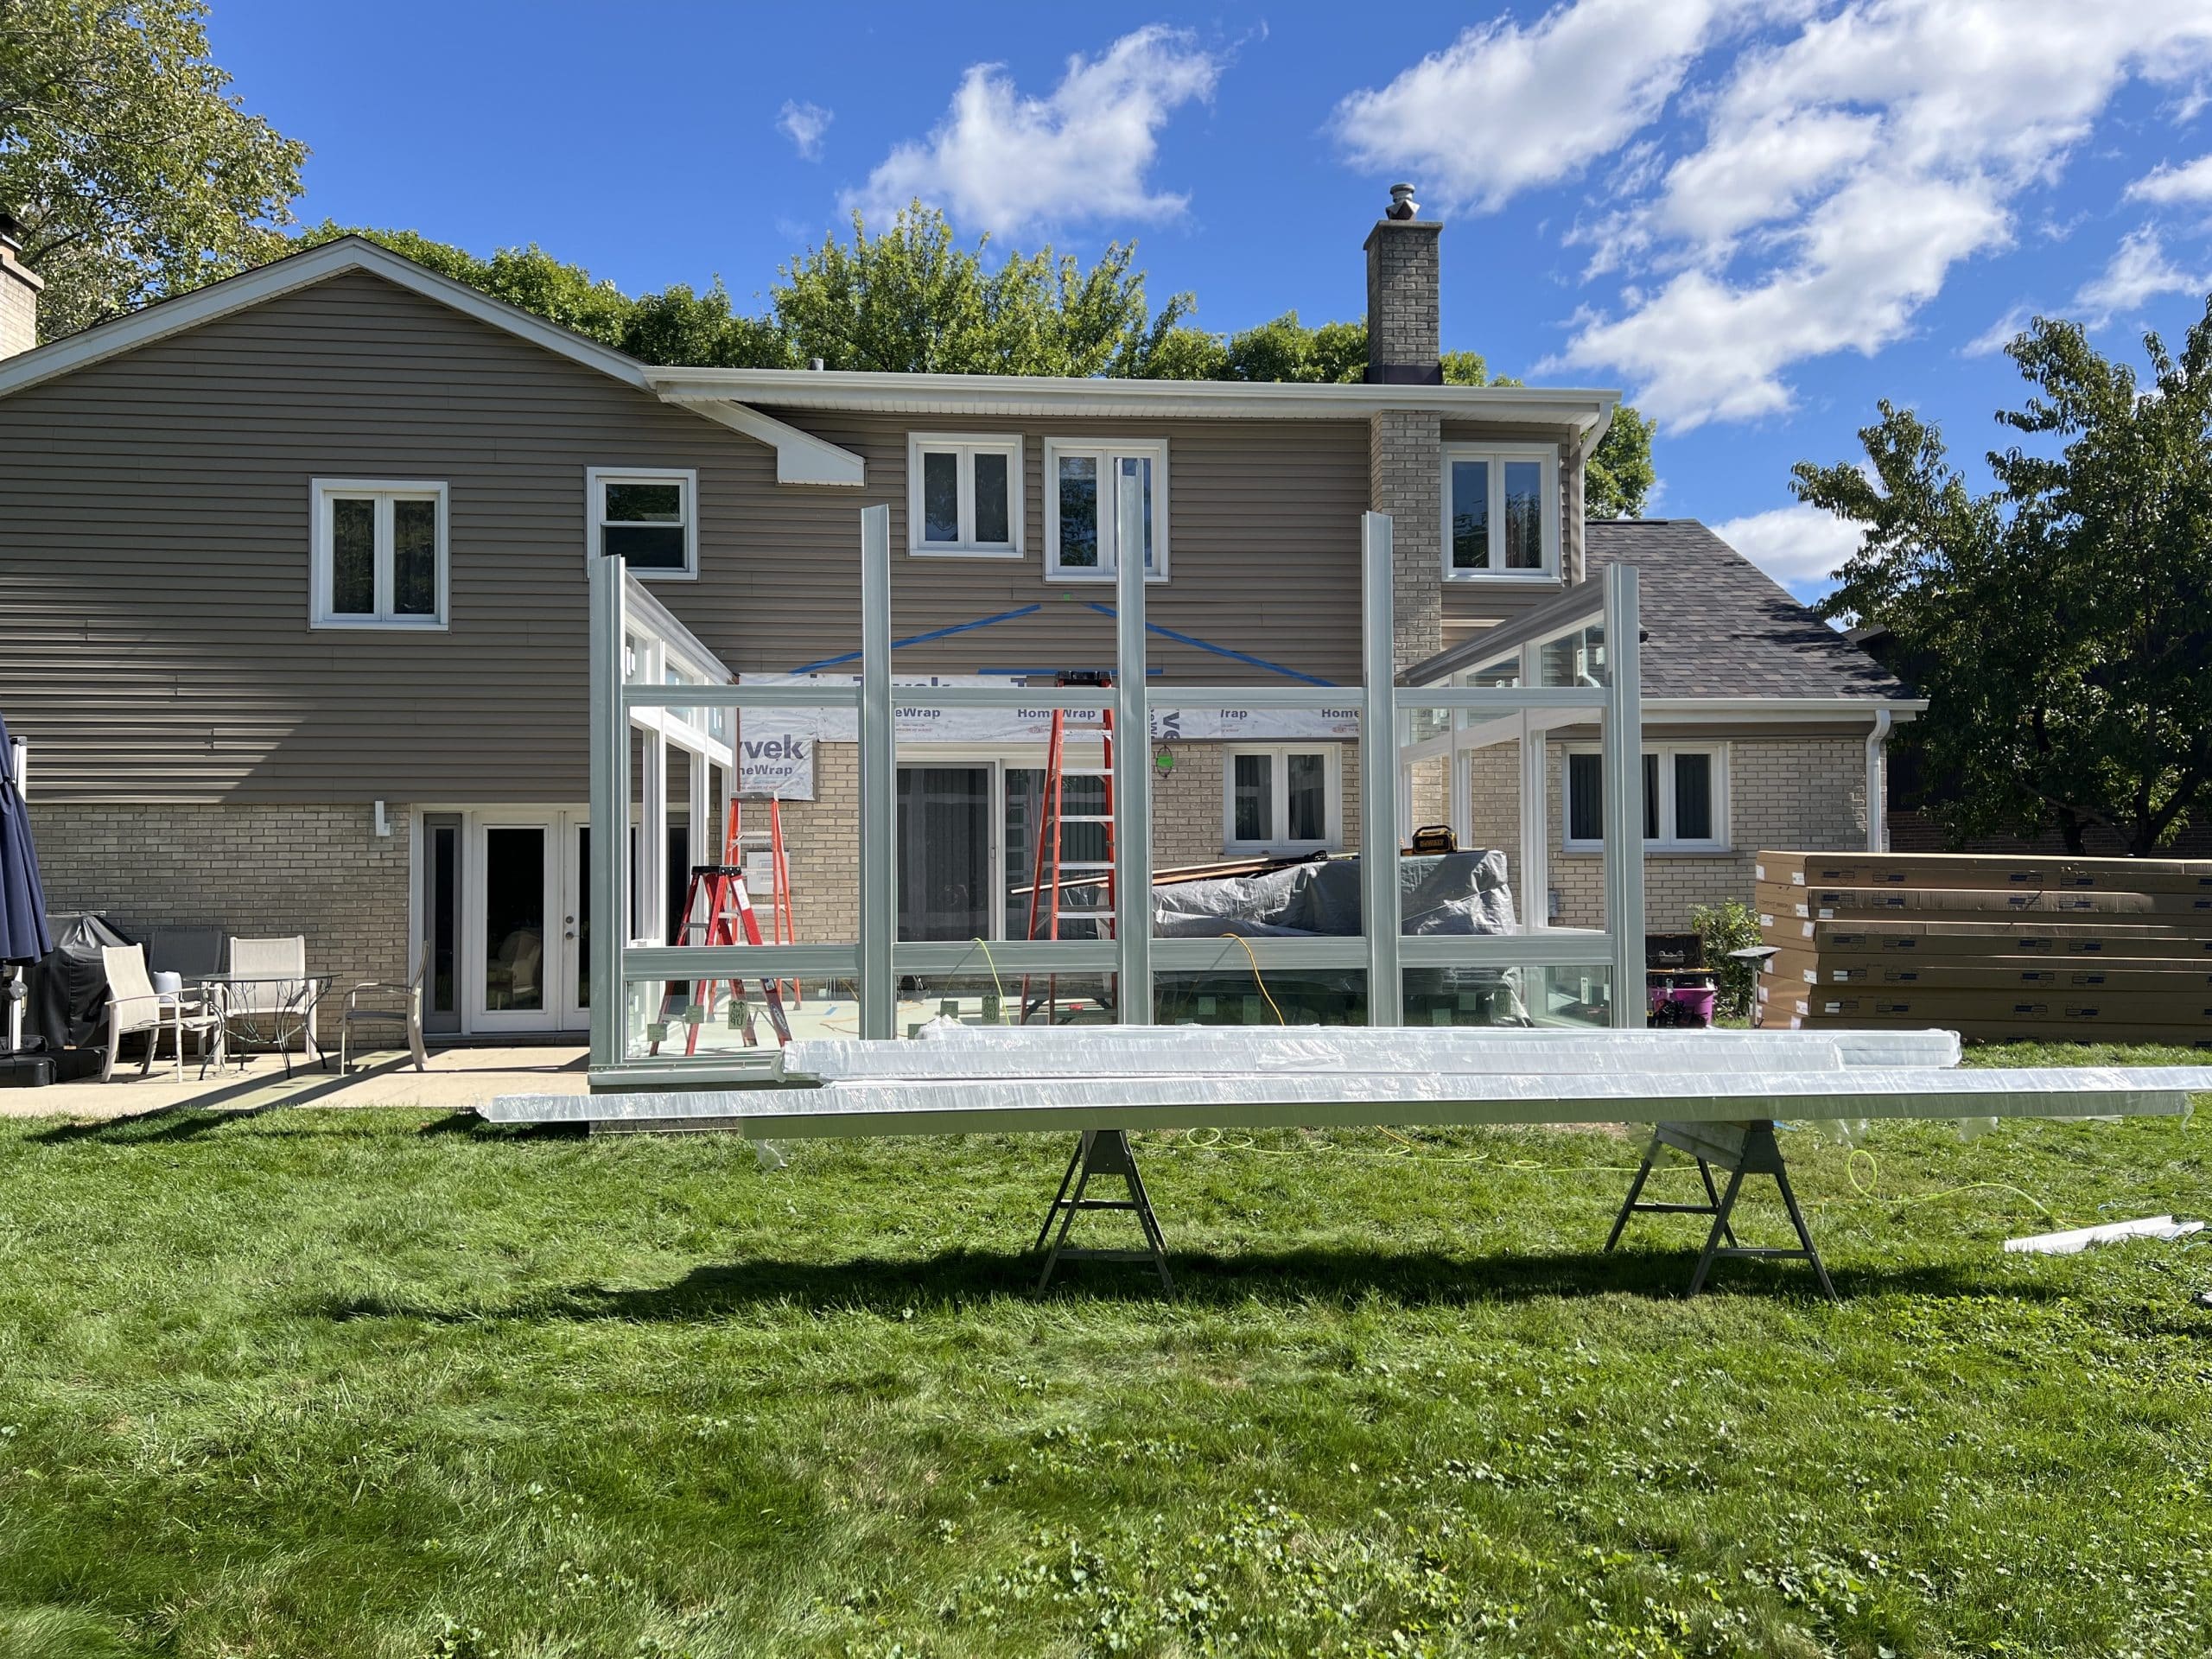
column 2062, row 623
column 134, row 171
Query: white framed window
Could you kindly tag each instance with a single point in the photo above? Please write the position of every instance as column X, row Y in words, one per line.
column 379, row 554
column 1685, row 799
column 963, row 496
column 646, row 515
column 1082, row 528
column 1501, row 513
column 1284, row 798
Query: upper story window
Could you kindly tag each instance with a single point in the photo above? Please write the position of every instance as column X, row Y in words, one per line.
column 1280, row 800
column 1083, row 479
column 1685, row 799
column 645, row 516
column 379, row 556
column 1501, row 513
column 963, row 496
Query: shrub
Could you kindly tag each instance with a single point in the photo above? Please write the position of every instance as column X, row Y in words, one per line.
column 1731, row 924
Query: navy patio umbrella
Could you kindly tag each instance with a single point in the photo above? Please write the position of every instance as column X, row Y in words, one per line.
column 23, row 934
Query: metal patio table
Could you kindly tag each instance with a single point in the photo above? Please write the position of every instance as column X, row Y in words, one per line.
column 271, row 1020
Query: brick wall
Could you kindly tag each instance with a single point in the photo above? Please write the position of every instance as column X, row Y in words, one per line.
column 19, row 291
column 1807, row 792
column 251, row 871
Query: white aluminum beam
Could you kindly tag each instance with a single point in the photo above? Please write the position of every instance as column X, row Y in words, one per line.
column 879, row 828
column 1378, row 770
column 1623, row 764
column 1131, row 762
column 609, row 750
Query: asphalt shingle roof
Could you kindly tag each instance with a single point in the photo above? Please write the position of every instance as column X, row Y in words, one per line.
column 1719, row 626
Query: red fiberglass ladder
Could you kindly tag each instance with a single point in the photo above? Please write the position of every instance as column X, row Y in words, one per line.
column 1051, row 869
column 717, row 910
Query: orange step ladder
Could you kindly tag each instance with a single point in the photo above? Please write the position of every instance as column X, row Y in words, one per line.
column 1051, row 868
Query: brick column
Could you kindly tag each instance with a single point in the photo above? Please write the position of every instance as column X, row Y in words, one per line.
column 1405, row 480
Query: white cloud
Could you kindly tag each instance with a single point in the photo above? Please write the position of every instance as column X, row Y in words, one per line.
column 1843, row 171
column 2165, row 184
column 1002, row 161
column 2000, row 334
column 805, row 124
column 2139, row 270
column 1800, row 543
column 1503, row 108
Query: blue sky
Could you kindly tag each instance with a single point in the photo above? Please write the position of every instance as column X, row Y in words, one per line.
column 1755, row 218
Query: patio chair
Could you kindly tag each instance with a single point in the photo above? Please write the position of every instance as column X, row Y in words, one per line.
column 134, row 1006
column 391, row 1005
column 282, row 1004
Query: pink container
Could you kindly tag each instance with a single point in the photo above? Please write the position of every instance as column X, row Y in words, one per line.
column 1684, row 1005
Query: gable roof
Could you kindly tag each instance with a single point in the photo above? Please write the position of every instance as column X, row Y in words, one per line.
column 801, row 458
column 1719, row 626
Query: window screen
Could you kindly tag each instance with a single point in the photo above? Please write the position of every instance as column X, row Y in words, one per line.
column 1255, row 780
column 1586, row 798
column 1692, row 796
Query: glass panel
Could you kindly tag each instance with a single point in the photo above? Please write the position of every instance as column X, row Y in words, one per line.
column 1651, row 797
column 441, row 923
column 1235, row 995
column 1078, row 486
column 353, row 555
column 514, row 918
column 1576, row 659
column 982, row 998
column 944, row 852
column 1693, row 798
column 1254, row 792
column 940, row 496
column 1471, row 515
column 1507, row 996
column 1524, row 515
column 1586, row 800
column 646, row 547
column 993, row 526
column 414, row 558
column 583, row 916
column 1307, row 779
column 645, row 504
column 1084, row 891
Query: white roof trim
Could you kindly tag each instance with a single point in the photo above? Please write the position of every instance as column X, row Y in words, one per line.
column 1675, row 711
column 1586, row 411
column 286, row 276
column 801, row 458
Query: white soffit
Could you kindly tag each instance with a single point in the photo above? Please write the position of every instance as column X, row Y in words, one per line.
column 801, row 458
column 1584, row 411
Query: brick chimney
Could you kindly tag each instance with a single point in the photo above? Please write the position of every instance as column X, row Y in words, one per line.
column 1402, row 327
column 19, row 287
column 1404, row 460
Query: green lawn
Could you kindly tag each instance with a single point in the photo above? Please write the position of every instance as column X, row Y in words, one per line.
column 364, row 1384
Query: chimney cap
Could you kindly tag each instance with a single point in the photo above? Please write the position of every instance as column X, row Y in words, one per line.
column 1402, row 205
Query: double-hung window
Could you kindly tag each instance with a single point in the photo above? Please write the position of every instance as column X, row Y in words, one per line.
column 963, row 496
column 1279, row 799
column 1084, row 479
column 646, row 515
column 1685, row 799
column 1501, row 513
column 379, row 556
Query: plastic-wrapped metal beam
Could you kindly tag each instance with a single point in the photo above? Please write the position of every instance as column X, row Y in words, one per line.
column 970, row 1106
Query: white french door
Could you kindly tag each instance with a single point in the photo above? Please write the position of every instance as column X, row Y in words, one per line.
column 525, row 920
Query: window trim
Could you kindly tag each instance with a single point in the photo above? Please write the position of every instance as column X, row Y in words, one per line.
column 1279, row 797
column 1497, row 455
column 1155, row 449
column 323, row 493
column 595, row 479
column 967, row 446
column 1723, row 840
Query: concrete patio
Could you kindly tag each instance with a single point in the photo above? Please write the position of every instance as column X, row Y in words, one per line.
column 459, row 1078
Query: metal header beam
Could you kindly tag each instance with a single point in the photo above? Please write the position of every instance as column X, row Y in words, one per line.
column 1132, row 760
column 1378, row 769
column 879, row 1009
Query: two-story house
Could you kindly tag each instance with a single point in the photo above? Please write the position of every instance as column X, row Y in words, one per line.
column 293, row 598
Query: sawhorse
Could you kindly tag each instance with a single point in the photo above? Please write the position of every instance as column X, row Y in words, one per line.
column 1741, row 1149
column 1101, row 1152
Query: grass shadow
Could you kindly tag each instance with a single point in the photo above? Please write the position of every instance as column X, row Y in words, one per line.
column 474, row 1125
column 1288, row 1278
column 188, row 1119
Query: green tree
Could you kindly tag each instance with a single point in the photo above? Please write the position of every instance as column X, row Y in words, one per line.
column 134, row 173
column 910, row 300
column 2061, row 625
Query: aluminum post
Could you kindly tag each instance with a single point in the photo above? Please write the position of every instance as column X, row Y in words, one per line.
column 1378, row 770
column 610, row 803
column 1623, row 764
column 1132, row 761
column 879, row 998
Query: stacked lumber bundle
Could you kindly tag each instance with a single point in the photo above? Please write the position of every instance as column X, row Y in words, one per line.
column 2035, row 948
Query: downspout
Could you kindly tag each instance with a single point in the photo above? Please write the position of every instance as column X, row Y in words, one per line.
column 1878, row 803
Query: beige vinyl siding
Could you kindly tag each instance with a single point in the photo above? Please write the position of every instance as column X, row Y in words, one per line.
column 154, row 534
